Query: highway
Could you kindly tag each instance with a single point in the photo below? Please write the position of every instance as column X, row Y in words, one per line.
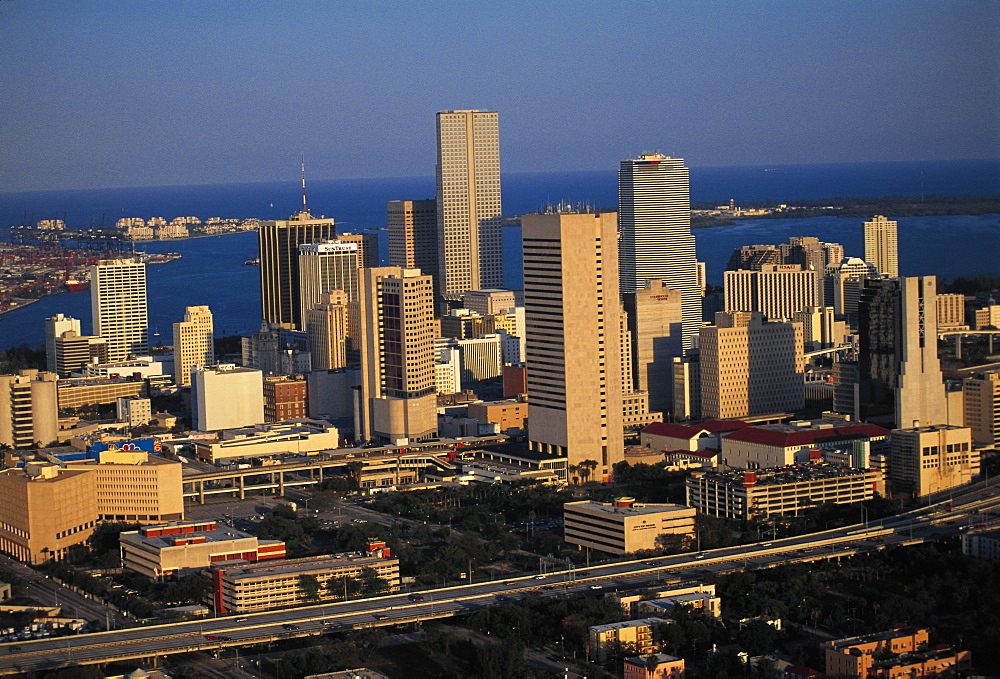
column 240, row 630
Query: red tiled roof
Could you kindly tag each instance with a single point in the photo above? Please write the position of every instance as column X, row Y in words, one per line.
column 706, row 454
column 806, row 437
column 678, row 431
column 715, row 426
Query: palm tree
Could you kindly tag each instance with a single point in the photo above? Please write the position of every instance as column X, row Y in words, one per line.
column 574, row 470
column 354, row 468
column 587, row 467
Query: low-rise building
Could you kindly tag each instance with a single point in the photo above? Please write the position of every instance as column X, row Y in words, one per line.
column 982, row 545
column 79, row 392
column 653, row 666
column 299, row 437
column 624, row 638
column 135, row 486
column 901, row 652
column 248, row 587
column 780, row 445
column 779, row 491
column 177, row 549
column 630, row 602
column 670, row 437
column 509, row 414
column 625, row 526
column 285, row 398
column 45, row 511
column 709, row 604
column 134, row 411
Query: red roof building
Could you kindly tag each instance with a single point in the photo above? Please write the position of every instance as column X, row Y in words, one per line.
column 780, row 445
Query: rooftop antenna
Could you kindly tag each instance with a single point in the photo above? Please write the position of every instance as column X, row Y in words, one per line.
column 304, row 208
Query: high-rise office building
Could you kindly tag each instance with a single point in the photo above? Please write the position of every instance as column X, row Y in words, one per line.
column 881, row 248
column 367, row 243
column 982, row 407
column 194, row 343
column 412, row 229
column 655, row 318
column 750, row 367
column 573, row 337
column 325, row 267
column 397, row 396
column 654, row 221
column 279, row 264
column 74, row 352
column 326, row 326
column 779, row 291
column 118, row 307
column 470, row 248
column 55, row 327
column 898, row 367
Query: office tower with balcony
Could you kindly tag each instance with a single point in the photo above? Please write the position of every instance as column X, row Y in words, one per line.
column 573, row 337
column 397, row 400
column 118, row 307
column 470, row 248
column 279, row 264
column 194, row 343
column 654, row 222
column 881, row 248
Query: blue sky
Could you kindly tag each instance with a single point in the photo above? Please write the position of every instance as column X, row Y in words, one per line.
column 155, row 92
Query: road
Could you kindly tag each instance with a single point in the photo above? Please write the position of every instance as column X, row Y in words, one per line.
column 215, row 633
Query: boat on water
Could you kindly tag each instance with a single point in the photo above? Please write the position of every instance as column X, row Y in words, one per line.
column 74, row 285
column 162, row 258
column 252, row 262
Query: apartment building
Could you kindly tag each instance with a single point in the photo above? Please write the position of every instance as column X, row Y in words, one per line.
column 632, row 636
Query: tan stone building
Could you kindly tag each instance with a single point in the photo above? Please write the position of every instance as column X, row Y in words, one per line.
column 631, row 636
column 982, row 407
column 625, row 526
column 244, row 588
column 655, row 319
column 327, row 327
column 45, row 511
column 881, row 245
column 85, row 391
column 193, row 343
column 29, row 409
column 398, row 390
column 573, row 337
column 511, row 414
column 750, row 367
column 778, row 291
column 925, row 460
column 951, row 312
column 898, row 653
column 135, row 486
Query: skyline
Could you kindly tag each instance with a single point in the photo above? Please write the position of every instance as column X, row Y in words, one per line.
column 133, row 94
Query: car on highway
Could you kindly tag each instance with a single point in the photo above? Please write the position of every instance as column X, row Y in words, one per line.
column 241, row 619
column 416, row 597
column 597, row 587
column 510, row 583
column 699, row 556
column 381, row 616
column 289, row 626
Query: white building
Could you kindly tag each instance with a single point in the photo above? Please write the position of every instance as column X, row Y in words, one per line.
column 227, row 397
column 118, row 306
column 881, row 247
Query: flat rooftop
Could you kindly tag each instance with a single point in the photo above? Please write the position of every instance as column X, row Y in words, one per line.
column 799, row 473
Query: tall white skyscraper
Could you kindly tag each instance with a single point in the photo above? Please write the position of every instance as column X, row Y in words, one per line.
column 193, row 343
column 118, row 307
column 470, row 255
column 654, row 223
column 881, row 248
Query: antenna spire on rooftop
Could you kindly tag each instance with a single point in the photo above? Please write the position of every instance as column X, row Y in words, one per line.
column 304, row 208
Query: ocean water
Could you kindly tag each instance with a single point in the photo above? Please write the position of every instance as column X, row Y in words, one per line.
column 212, row 272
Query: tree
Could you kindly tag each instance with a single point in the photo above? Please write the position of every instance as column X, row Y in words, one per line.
column 344, row 586
column 355, row 468
column 652, row 662
column 372, row 582
column 309, row 587
column 587, row 467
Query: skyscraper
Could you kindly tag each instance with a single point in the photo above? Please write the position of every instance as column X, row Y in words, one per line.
column 397, row 396
column 881, row 248
column 470, row 255
column 118, row 306
column 898, row 367
column 193, row 343
column 655, row 317
column 326, row 325
column 54, row 328
column 654, row 221
column 573, row 337
column 779, row 291
column 279, row 264
column 412, row 229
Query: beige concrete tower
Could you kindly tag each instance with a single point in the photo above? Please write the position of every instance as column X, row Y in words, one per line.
column 326, row 325
column 118, row 307
column 193, row 343
column 279, row 264
column 29, row 411
column 881, row 248
column 982, row 407
column 412, row 229
column 573, row 337
column 750, row 367
column 54, row 328
column 655, row 318
column 470, row 255
column 397, row 396
column 779, row 291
